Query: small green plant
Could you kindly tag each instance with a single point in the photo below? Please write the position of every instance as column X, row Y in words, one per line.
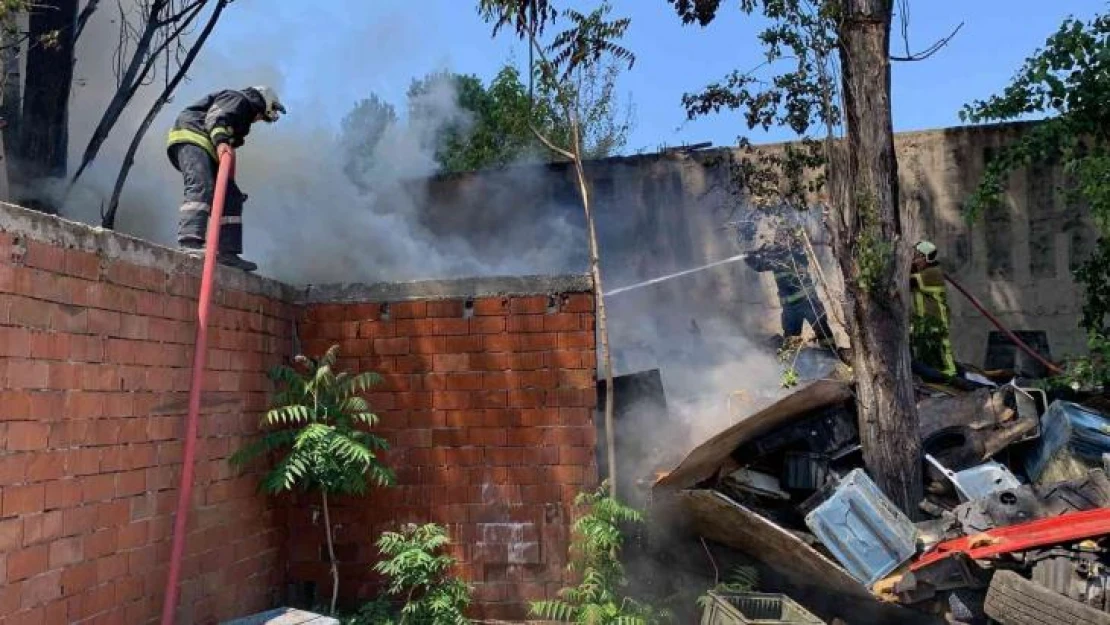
column 377, row 612
column 788, row 356
column 1090, row 372
column 927, row 335
column 740, row 579
column 318, row 428
column 595, row 559
column 873, row 252
column 419, row 574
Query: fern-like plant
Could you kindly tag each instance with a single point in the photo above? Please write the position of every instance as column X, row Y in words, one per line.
column 419, row 574
column 595, row 561
column 318, row 427
column 740, row 579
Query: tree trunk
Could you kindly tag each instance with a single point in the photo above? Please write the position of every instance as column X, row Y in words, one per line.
column 44, row 128
column 11, row 102
column 602, row 322
column 867, row 239
column 331, row 553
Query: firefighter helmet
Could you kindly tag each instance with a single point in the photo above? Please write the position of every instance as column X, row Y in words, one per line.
column 274, row 107
column 927, row 249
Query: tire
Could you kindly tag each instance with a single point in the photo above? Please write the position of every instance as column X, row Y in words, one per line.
column 1014, row 600
column 966, row 607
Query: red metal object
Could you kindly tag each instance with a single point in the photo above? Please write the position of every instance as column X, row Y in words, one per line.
column 1066, row 528
column 200, row 352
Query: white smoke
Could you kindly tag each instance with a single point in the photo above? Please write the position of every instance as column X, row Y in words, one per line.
column 304, row 221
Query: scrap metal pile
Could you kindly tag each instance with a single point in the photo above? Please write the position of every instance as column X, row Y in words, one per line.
column 1014, row 526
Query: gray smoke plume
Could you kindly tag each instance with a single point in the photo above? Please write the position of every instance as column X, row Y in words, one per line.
column 305, row 221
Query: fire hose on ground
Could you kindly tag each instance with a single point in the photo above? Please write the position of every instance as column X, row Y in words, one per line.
column 200, row 351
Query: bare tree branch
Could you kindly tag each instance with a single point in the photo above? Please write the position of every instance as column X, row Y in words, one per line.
column 83, row 18
column 927, row 52
column 551, row 146
column 164, row 24
column 108, row 219
column 156, row 53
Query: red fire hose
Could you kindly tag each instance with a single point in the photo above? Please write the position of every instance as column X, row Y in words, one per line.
column 998, row 324
column 204, row 301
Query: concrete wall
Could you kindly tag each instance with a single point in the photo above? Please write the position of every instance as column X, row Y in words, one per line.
column 664, row 213
column 96, row 334
column 488, row 402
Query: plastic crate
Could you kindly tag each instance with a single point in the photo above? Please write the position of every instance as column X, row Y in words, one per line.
column 744, row 608
column 284, row 616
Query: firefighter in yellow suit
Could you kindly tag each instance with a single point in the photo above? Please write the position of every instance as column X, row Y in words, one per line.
column 929, row 331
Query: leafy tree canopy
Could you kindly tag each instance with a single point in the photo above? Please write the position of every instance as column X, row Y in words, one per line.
column 1068, row 82
column 496, row 128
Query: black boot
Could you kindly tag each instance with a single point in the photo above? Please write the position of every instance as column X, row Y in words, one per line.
column 232, row 260
column 192, row 248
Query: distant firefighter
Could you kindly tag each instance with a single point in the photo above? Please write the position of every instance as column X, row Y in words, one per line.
column 782, row 252
column 929, row 330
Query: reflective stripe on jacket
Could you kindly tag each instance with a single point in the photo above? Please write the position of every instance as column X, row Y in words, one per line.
column 930, row 300
column 221, row 117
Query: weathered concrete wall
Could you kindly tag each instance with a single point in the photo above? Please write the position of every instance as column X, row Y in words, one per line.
column 1018, row 259
column 663, row 213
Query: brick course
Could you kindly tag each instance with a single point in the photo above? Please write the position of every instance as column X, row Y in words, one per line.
column 94, row 364
column 487, row 401
column 488, row 405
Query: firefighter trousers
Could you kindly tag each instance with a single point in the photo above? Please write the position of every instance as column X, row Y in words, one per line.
column 199, row 173
column 794, row 314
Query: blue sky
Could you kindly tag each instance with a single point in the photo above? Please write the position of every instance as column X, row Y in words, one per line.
column 326, row 54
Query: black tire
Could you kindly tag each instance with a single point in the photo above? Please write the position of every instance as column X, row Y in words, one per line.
column 1014, row 600
column 966, row 607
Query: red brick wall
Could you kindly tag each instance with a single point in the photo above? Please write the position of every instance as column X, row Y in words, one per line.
column 95, row 349
column 488, row 405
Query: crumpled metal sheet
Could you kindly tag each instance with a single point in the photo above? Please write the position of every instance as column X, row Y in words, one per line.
column 863, row 529
column 1087, row 493
column 1007, row 507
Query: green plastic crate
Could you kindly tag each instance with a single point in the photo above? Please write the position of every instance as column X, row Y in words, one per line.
column 753, row 608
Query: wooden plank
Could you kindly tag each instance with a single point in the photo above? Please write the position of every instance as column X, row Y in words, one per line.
column 725, row 521
column 704, row 461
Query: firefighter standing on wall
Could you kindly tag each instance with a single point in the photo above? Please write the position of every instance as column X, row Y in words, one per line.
column 218, row 122
column 929, row 330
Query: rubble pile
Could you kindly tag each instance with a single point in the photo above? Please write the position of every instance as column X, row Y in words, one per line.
column 1015, row 483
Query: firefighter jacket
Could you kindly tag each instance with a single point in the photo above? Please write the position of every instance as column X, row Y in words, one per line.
column 790, row 268
column 930, row 308
column 221, row 117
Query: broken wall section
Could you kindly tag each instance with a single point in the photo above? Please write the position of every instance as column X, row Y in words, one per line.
column 488, row 402
column 669, row 212
column 96, row 336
